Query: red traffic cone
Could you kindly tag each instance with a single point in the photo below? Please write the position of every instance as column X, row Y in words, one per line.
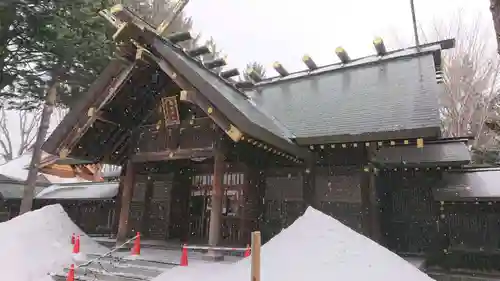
column 76, row 246
column 247, row 251
column 136, row 249
column 184, row 256
column 73, row 239
column 71, row 273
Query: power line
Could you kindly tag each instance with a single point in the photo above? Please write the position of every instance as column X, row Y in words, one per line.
column 414, row 21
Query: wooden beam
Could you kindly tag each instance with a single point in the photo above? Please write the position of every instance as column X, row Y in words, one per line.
column 102, row 119
column 125, row 32
column 218, row 117
column 92, row 115
column 177, row 154
column 126, row 199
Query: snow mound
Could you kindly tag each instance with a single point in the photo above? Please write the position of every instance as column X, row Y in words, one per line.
column 314, row 246
column 39, row 242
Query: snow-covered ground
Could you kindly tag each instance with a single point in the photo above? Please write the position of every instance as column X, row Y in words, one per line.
column 39, row 242
column 315, row 246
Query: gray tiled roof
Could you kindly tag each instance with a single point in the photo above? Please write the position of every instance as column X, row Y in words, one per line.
column 453, row 153
column 392, row 95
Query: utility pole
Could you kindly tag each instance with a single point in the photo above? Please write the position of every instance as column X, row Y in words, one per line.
column 414, row 21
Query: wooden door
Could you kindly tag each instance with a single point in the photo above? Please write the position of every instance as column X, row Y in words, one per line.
column 159, row 218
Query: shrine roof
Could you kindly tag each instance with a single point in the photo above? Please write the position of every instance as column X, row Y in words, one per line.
column 394, row 96
column 389, row 96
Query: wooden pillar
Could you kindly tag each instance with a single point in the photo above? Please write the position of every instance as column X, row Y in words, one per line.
column 309, row 185
column 375, row 226
column 126, row 199
column 214, row 232
column 369, row 201
column 217, row 194
column 118, row 200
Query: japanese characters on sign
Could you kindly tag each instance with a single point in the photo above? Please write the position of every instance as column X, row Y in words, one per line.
column 170, row 110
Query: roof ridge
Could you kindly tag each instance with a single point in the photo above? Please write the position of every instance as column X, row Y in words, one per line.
column 358, row 62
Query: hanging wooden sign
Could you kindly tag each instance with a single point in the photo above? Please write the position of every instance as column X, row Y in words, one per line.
column 170, row 110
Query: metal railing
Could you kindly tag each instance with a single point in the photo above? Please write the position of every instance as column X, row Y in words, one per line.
column 109, row 253
column 97, row 260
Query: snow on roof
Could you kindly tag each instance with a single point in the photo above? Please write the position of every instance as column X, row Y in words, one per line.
column 39, row 242
column 16, row 170
column 314, row 246
column 95, row 190
column 14, row 190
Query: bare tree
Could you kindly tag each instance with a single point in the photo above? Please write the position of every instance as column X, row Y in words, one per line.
column 471, row 74
column 5, row 140
column 12, row 142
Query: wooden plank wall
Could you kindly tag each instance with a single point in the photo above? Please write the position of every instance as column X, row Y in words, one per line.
column 338, row 191
column 179, row 208
column 409, row 214
column 283, row 200
column 137, row 205
column 159, row 217
column 472, row 241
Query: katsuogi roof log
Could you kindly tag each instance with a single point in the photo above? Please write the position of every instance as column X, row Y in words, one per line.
column 228, row 73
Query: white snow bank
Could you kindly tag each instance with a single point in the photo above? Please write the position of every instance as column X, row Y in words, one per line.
column 315, row 246
column 39, row 242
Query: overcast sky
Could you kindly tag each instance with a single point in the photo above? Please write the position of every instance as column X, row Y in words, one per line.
column 284, row 30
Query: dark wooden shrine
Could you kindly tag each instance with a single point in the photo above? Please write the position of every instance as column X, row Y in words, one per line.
column 208, row 159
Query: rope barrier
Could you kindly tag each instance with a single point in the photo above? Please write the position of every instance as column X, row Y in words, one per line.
column 214, row 248
column 107, row 253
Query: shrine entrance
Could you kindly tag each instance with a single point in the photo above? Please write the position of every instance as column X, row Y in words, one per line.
column 232, row 211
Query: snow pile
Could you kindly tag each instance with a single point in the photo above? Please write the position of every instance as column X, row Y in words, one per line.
column 39, row 242
column 314, row 246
